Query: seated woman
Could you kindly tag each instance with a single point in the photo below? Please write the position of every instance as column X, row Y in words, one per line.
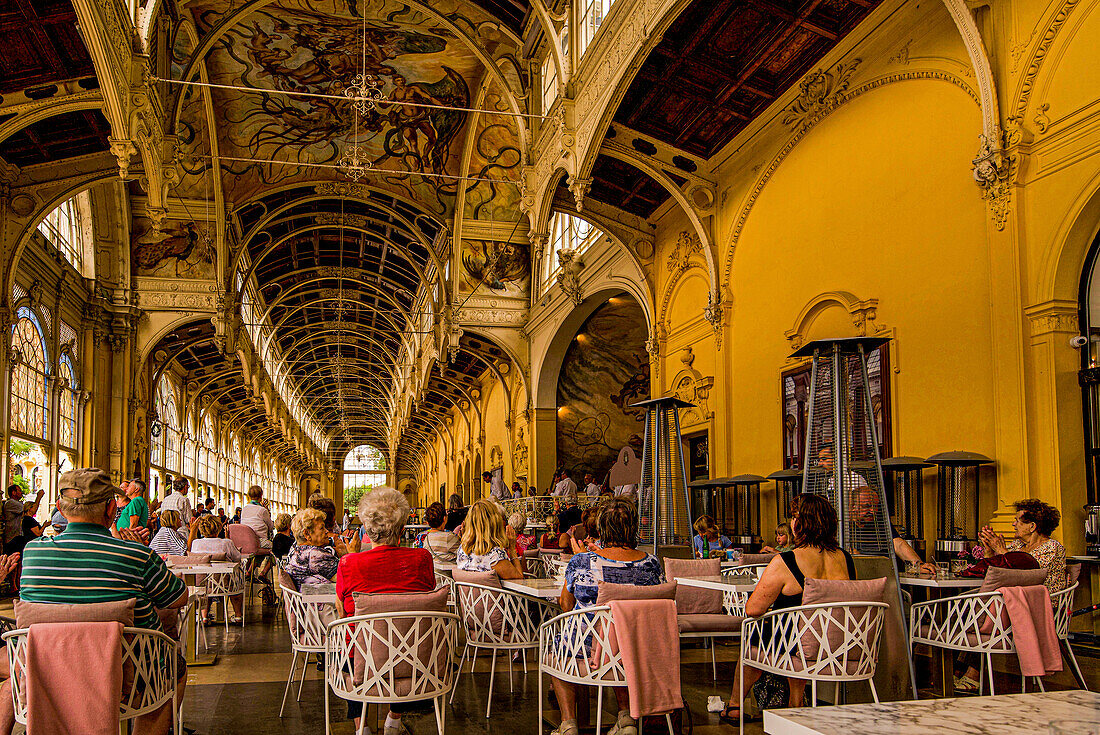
column 816, row 555
column 524, row 541
column 456, row 512
column 549, row 539
column 311, row 560
column 204, row 540
column 485, row 546
column 169, row 540
column 617, row 560
column 440, row 543
column 1032, row 526
column 326, row 505
column 384, row 568
column 283, row 538
column 707, row 537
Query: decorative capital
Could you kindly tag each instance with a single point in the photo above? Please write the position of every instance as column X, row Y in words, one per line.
column 579, row 189
column 713, row 313
column 569, row 275
column 995, row 169
column 123, row 150
column 1057, row 316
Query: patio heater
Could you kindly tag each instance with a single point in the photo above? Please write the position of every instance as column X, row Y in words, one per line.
column 788, row 485
column 1092, row 530
column 664, row 503
column 958, row 481
column 743, row 493
column 905, row 482
column 842, row 434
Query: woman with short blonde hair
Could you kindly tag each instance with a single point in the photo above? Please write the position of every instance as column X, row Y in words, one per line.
column 168, row 540
column 485, row 546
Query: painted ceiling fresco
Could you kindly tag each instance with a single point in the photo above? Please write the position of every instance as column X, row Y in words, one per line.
column 493, row 268
column 291, row 49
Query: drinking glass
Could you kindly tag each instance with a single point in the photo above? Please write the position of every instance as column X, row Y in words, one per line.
column 1074, row 727
column 912, row 568
column 957, row 565
column 943, row 570
column 737, row 554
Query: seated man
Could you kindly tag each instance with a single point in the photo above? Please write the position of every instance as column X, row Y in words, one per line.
column 86, row 564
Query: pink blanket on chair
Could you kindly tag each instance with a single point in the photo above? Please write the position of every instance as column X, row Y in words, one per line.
column 74, row 678
column 1032, row 617
column 649, row 641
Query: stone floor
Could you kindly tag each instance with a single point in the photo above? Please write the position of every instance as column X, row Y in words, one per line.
column 242, row 692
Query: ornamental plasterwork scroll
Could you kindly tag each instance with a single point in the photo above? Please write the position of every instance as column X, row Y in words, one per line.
column 687, row 246
column 819, row 91
column 691, row 386
column 713, row 313
column 333, row 218
column 569, row 275
column 995, row 170
column 340, row 189
column 1027, row 84
column 863, row 315
column 579, row 189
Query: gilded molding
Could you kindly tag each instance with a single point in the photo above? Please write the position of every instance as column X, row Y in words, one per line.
column 1027, row 83
column 1057, row 316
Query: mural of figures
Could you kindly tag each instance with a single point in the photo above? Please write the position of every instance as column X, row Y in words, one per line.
column 322, row 48
column 183, row 250
column 605, row 369
column 496, row 268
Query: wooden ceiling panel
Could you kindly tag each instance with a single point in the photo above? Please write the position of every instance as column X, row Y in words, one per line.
column 723, row 62
column 57, row 138
column 41, row 44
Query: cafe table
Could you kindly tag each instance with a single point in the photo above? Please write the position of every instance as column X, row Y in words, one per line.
column 1004, row 714
column 190, row 632
column 943, row 659
column 543, row 589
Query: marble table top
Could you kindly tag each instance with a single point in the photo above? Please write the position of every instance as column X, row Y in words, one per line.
column 922, row 580
column 545, row 589
column 717, row 582
column 203, row 569
column 1005, row 714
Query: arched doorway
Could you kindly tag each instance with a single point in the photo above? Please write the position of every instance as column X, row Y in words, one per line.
column 603, row 371
column 1089, row 323
column 364, row 469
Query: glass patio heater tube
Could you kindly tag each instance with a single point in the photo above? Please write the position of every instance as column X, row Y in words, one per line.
column 905, row 492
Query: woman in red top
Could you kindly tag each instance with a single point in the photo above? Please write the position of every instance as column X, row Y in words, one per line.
column 384, row 568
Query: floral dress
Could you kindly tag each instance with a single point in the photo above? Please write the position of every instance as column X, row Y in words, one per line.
column 481, row 562
column 586, row 570
column 310, row 564
column 1051, row 556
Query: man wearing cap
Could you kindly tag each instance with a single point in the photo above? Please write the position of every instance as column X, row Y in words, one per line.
column 86, row 564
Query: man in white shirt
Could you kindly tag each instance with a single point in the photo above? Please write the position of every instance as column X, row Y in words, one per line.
column 257, row 517
column 178, row 501
column 591, row 489
column 566, row 489
column 498, row 491
column 627, row 491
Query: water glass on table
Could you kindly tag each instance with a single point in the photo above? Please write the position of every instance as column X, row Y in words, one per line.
column 943, row 570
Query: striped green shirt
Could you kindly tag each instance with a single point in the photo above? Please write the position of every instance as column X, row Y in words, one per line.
column 87, row 564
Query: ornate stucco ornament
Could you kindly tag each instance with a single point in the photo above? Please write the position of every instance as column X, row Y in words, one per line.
column 713, row 312
column 354, row 163
column 569, row 275
column 818, row 92
column 365, row 92
column 995, row 169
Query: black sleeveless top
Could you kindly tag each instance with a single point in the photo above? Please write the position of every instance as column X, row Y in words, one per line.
column 788, row 558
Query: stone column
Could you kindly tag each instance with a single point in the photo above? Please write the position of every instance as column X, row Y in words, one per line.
column 544, row 447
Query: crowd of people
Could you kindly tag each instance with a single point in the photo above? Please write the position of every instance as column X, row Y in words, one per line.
column 106, row 543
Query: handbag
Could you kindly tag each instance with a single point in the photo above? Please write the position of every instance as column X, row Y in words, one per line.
column 1007, row 560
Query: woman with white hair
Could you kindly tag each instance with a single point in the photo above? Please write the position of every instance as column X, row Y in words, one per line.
column 386, row 567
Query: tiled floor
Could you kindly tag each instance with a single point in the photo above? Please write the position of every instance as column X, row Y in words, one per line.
column 241, row 693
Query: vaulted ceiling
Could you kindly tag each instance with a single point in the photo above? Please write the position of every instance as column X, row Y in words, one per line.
column 717, row 68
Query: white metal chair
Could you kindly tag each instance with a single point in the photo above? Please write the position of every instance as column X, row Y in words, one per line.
column 307, row 621
column 149, row 654
column 829, row 641
column 405, row 657
column 563, row 654
column 223, row 586
column 1063, row 610
column 978, row 623
column 445, row 580
column 497, row 619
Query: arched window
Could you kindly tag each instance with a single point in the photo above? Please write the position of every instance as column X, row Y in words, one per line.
column 364, row 466
column 64, row 229
column 566, row 233
column 165, row 452
column 29, row 405
column 206, row 450
column 67, row 435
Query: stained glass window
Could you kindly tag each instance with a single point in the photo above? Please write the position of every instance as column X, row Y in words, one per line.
column 62, row 228
column 67, row 407
column 29, row 405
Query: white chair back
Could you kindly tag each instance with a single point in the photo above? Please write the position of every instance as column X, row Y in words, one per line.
column 1063, row 610
column 499, row 618
column 445, row 580
column 565, row 643
column 307, row 621
column 226, row 585
column 149, row 654
column 832, row 641
column 400, row 672
column 973, row 622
